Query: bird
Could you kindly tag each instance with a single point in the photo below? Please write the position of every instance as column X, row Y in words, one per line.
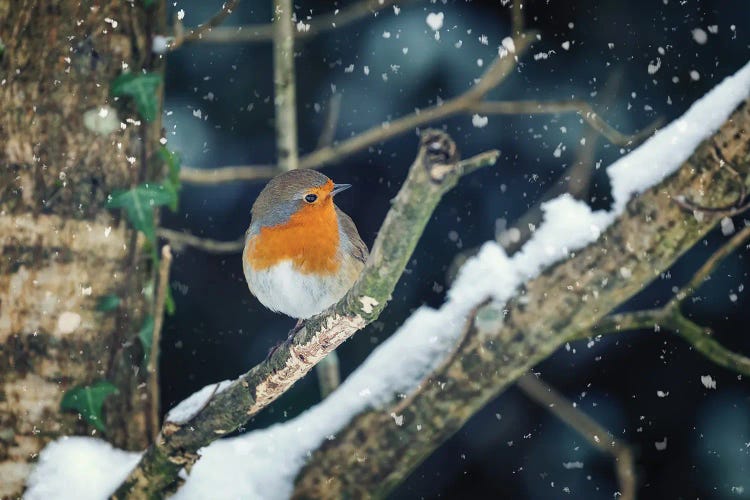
column 302, row 253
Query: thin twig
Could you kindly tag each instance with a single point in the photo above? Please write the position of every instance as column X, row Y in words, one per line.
column 179, row 240
column 517, row 17
column 307, row 29
column 203, row 30
column 153, row 360
column 461, row 104
column 554, row 107
column 285, row 99
column 710, row 265
column 500, row 69
column 701, row 338
column 227, row 174
column 595, row 434
column 671, row 317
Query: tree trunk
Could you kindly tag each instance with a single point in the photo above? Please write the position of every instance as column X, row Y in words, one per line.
column 61, row 249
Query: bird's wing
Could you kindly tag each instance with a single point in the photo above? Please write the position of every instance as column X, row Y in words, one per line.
column 359, row 249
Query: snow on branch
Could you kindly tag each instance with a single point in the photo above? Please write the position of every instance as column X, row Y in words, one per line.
column 635, row 241
column 505, row 337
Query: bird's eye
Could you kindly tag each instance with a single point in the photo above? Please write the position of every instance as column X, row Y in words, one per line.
column 310, row 198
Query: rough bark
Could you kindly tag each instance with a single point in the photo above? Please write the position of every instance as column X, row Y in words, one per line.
column 372, row 455
column 60, row 249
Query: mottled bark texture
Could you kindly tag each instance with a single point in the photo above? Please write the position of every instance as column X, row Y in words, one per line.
column 372, row 454
column 60, row 249
column 435, row 171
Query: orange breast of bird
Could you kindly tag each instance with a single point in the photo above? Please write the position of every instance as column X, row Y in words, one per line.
column 310, row 239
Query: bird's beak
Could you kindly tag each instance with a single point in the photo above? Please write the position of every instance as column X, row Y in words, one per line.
column 337, row 188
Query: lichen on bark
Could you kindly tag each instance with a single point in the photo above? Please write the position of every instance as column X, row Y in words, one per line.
column 60, row 249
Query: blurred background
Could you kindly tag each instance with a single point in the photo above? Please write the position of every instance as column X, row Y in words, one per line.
column 634, row 62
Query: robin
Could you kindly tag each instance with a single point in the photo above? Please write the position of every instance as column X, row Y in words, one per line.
column 302, row 253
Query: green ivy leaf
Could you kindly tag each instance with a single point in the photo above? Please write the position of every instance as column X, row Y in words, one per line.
column 88, row 401
column 146, row 336
column 108, row 303
column 138, row 204
column 142, row 87
column 148, row 3
column 172, row 182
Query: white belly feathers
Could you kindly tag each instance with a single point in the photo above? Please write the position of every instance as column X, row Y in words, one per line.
column 283, row 289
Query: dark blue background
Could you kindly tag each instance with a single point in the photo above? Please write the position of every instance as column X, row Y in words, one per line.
column 512, row 448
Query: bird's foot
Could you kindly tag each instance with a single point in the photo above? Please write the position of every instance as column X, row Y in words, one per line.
column 289, row 338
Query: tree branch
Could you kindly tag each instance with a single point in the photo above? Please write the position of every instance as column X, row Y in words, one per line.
column 315, row 26
column 583, row 108
column 285, row 99
column 435, row 171
column 500, row 69
column 153, row 359
column 180, row 239
column 227, row 174
column 671, row 317
column 517, row 17
column 205, row 29
column 575, row 294
column 536, row 389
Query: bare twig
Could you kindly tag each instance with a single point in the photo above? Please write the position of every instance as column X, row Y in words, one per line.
column 285, row 99
column 204, row 29
column 500, row 69
column 517, row 17
column 308, row 28
column 153, row 360
column 180, row 240
column 227, row 174
column 583, row 108
column 710, row 265
column 595, row 434
column 435, row 170
column 671, row 317
column 469, row 102
column 329, row 375
column 476, row 162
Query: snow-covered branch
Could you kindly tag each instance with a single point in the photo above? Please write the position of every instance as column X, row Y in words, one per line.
column 507, row 337
column 578, row 266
